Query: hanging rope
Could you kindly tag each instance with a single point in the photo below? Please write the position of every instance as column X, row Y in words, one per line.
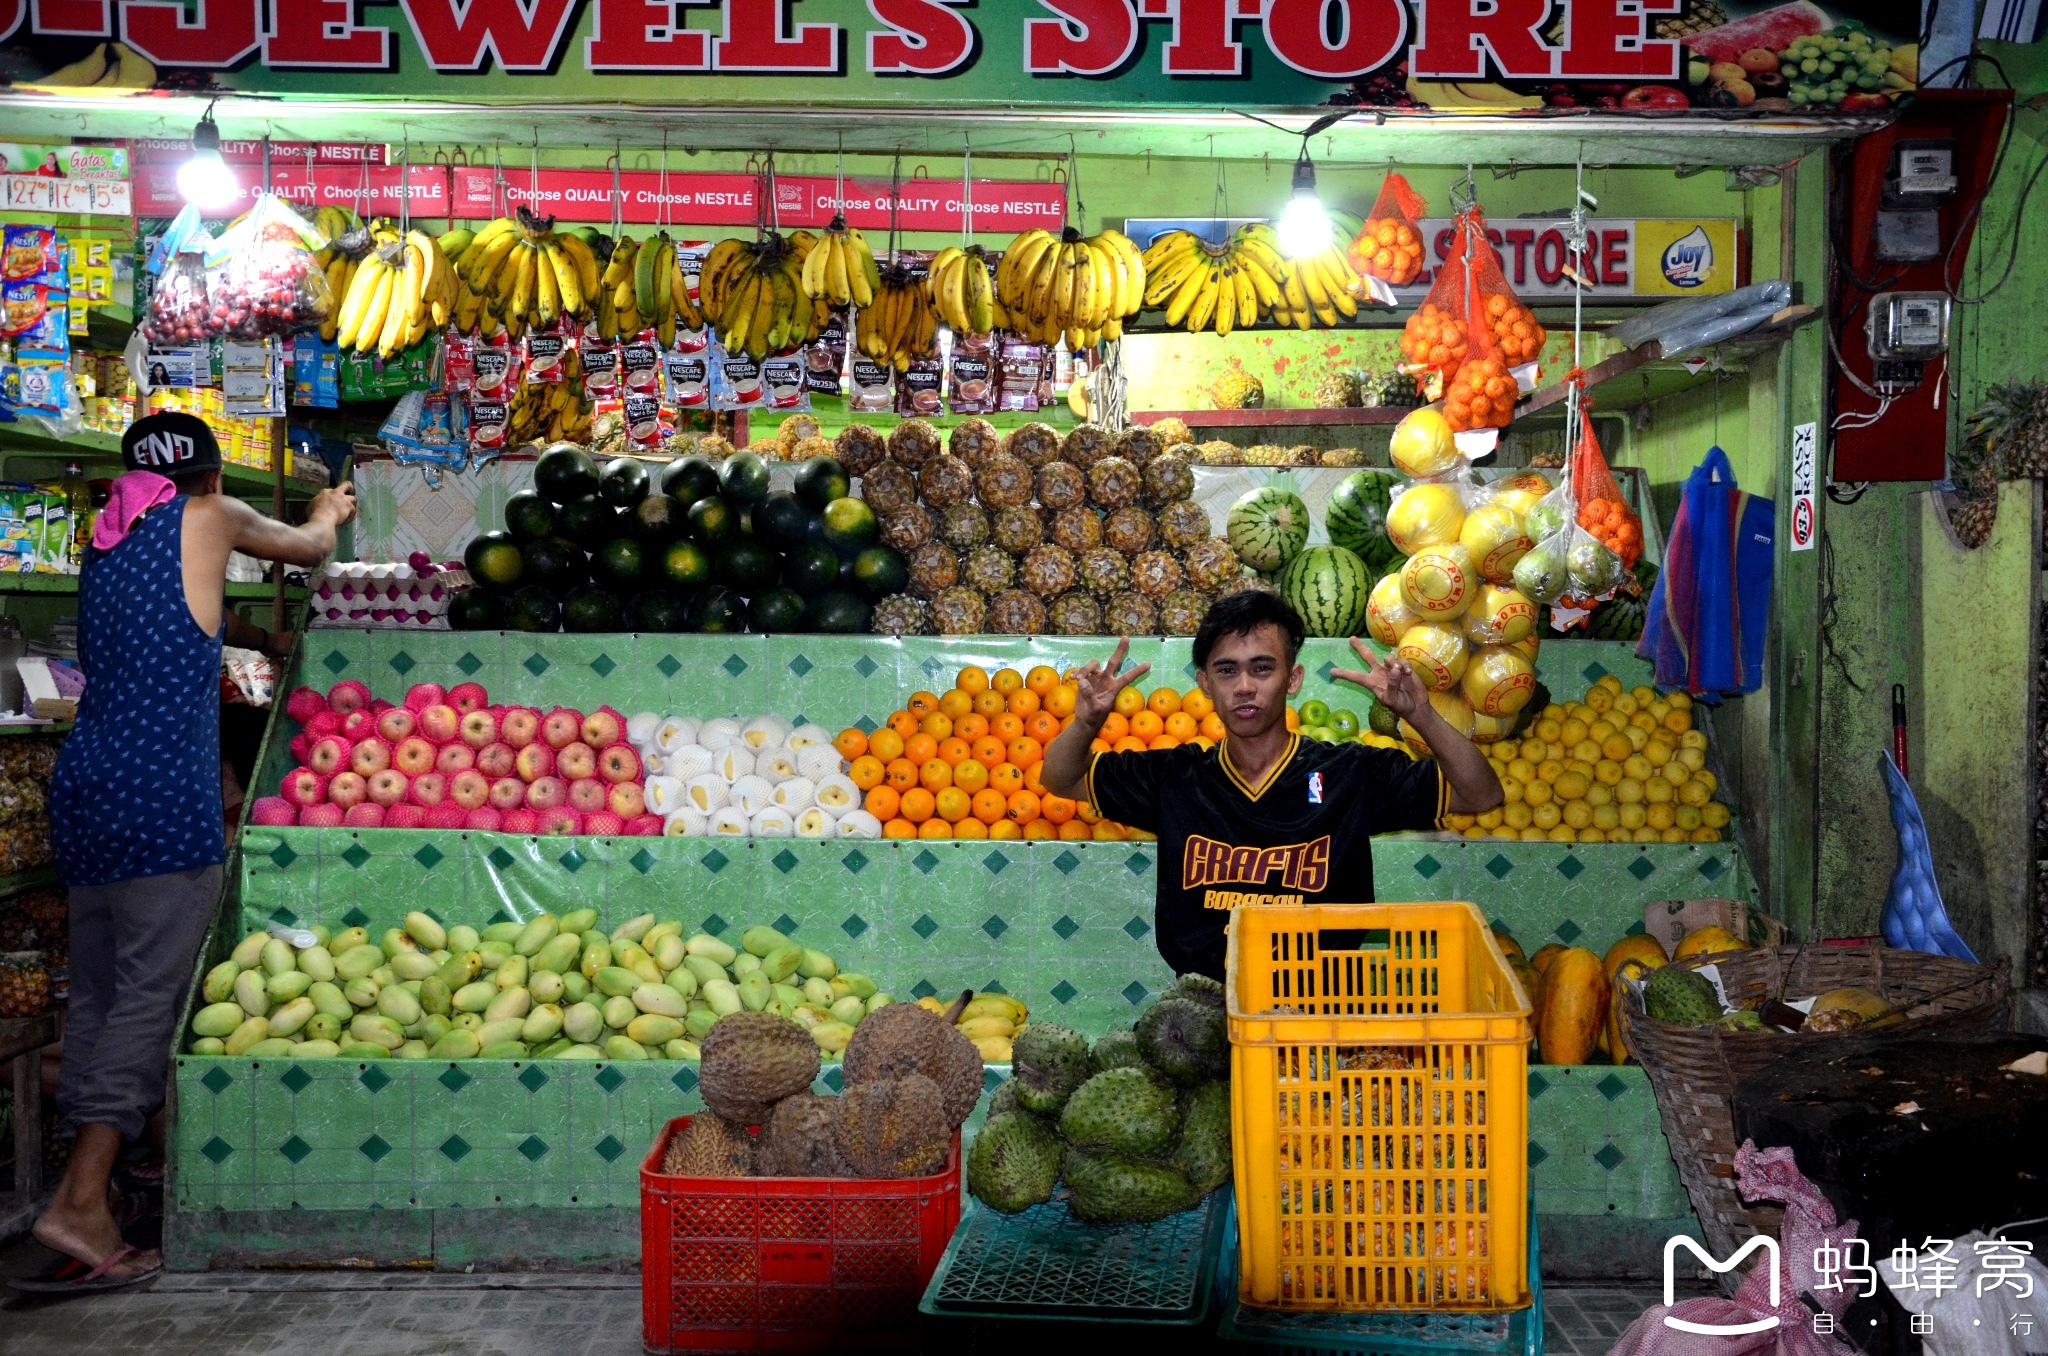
column 533, row 176
column 839, row 201
column 895, row 195
column 618, row 193
column 404, row 179
column 966, row 191
column 1080, row 213
column 1576, row 238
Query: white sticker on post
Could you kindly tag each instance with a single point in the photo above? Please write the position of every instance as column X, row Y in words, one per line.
column 1382, row 291
column 1805, row 508
column 1478, row 443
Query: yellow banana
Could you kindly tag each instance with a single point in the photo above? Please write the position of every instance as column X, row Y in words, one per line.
column 1184, row 296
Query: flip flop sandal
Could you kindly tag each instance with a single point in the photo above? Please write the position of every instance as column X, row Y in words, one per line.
column 93, row 1281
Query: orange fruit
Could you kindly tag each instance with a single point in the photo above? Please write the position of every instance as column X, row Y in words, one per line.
column 1163, row 702
column 866, row 772
column 972, row 680
column 1115, row 727
column 1034, row 779
column 1164, row 741
column 1006, row 778
column 990, row 805
column 1023, row 807
column 988, row 751
column 1060, row 701
column 1293, row 719
column 1129, row 702
column 1038, row 830
column 1204, row 744
column 1074, row 831
column 881, row 802
column 1006, row 681
column 899, row 828
column 1043, row 726
column 1065, row 721
column 1108, row 832
column 1024, row 702
column 1213, row 727
column 971, row 726
column 903, row 723
column 955, row 704
column 922, row 704
column 1196, row 703
column 970, row 827
column 1057, row 809
column 886, row 743
column 938, row 725
column 918, row 804
column 1006, row 727
column 970, row 775
column 955, row 751
column 934, row 828
column 990, row 703
column 1182, row 726
column 1130, row 744
column 1101, row 746
column 921, row 747
column 1148, row 725
column 1042, row 679
column 953, row 804
column 851, row 743
column 935, row 774
column 900, row 774
column 1024, row 751
column 1087, row 813
column 1003, row 831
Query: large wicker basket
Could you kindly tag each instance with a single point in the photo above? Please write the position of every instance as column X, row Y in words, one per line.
column 1694, row 1070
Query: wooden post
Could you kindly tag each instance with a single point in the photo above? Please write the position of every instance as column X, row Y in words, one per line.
column 28, row 1127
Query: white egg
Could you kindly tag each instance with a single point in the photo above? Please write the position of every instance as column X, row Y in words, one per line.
column 674, row 732
column 838, row 794
column 684, row 823
column 707, row 793
column 664, row 795
column 859, row 824
column 777, row 765
column 686, row 761
column 731, row 822
column 773, row 822
column 806, row 736
column 797, row 793
column 752, row 794
column 713, row 733
column 732, row 762
column 815, row 823
column 640, row 728
column 819, row 761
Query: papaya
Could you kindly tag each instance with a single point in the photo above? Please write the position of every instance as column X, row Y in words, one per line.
column 1508, row 944
column 1707, row 940
column 1545, row 954
column 1574, row 1007
column 1648, row 952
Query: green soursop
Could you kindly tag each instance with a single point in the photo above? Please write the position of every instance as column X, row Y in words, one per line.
column 1124, row 1111
column 1015, row 1162
column 1116, row 1050
column 1204, row 1149
column 1199, row 989
column 1681, row 996
column 1112, row 1189
column 1186, row 1040
column 1049, row 1062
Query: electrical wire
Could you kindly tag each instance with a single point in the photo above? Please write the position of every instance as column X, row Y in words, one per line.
column 1862, row 419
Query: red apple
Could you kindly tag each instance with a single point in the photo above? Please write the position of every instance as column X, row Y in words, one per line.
column 484, row 819
column 396, row 725
column 560, row 822
column 507, row 793
column 440, row 722
column 304, row 703
column 534, row 762
column 576, row 761
column 644, row 826
column 604, row 824
column 447, row 817
column 519, row 821
column 497, row 760
column 420, row 696
column 301, row 744
column 468, row 697
column 627, row 801
column 478, row 728
column 302, row 787
column 547, row 793
column 618, row 763
column 430, row 789
column 370, row 756
column 413, row 757
column 324, row 723
column 347, row 789
column 471, row 790
column 326, row 816
column 519, row 727
column 589, row 795
column 603, row 727
column 561, row 727
column 348, row 695
column 368, row 815
column 454, row 758
column 389, row 787
column 359, row 725
column 329, row 755
column 405, row 817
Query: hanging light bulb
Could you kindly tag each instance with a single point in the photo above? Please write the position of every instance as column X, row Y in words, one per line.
column 1304, row 227
column 204, row 180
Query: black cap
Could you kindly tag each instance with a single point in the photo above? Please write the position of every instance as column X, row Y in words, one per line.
column 169, row 443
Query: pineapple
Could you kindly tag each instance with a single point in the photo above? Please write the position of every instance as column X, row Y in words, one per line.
column 24, row 984
column 1695, row 18
column 2012, row 421
column 1218, row 452
column 1973, row 506
column 1172, row 432
column 1238, row 389
column 1336, row 390
column 1265, row 454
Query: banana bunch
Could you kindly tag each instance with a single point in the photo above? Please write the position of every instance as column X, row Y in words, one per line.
column 903, row 324
column 990, row 1020
column 1084, row 288
column 842, row 272
column 964, row 291
column 334, row 223
column 643, row 285
column 404, row 289
column 551, row 413
column 753, row 291
column 525, row 273
column 1244, row 280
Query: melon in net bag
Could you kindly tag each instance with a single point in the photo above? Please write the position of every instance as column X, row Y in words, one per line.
column 1389, row 246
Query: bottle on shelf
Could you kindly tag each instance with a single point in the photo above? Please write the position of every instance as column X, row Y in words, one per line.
column 78, row 495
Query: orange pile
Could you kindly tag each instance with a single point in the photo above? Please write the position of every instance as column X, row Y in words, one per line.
column 1515, row 331
column 1435, row 337
column 1482, row 395
column 1388, row 248
column 967, row 763
column 1614, row 527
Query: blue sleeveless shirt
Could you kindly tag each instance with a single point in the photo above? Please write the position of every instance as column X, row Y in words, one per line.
column 137, row 786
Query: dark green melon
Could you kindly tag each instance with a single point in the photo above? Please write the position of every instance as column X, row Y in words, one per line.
column 837, row 612
column 684, row 565
column 658, row 519
column 850, row 525
column 533, row 608
column 878, row 572
column 743, row 478
column 527, row 516
column 590, row 609
column 554, row 564
column 717, row 609
column 588, row 521
column 625, row 482
column 821, row 480
column 476, row 610
column 747, row 565
column 776, row 611
column 619, row 564
column 781, row 520
column 494, row 558
column 713, row 523
column 564, row 472
column 811, row 569
column 656, row 610
column 689, row 479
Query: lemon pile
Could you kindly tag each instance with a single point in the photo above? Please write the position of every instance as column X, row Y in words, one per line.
column 1618, row 766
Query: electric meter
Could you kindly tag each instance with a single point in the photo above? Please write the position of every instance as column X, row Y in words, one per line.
column 1919, row 179
column 1905, row 331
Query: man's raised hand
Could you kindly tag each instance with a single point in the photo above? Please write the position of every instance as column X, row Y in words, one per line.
column 1391, row 681
column 1097, row 684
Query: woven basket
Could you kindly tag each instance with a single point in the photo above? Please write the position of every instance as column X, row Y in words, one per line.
column 1694, row 1070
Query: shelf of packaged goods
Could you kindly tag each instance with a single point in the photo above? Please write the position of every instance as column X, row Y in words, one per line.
column 68, row 584
column 92, row 446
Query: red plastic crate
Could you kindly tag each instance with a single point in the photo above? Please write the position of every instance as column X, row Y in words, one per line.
column 788, row 1263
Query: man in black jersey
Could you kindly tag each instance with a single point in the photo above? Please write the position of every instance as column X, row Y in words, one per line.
column 1265, row 817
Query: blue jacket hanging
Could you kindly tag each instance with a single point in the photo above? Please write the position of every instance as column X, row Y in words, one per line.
column 1704, row 630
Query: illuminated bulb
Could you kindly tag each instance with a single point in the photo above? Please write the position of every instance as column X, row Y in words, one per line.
column 1304, row 227
column 204, row 180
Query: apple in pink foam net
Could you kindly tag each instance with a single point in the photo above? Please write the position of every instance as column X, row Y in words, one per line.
column 498, row 760
column 302, row 787
column 478, row 729
column 420, row 696
column 373, row 755
column 454, row 758
column 368, row 815
column 483, row 819
column 469, row 790
column 519, row 727
column 468, row 697
column 347, row 789
column 519, row 821
column 389, row 787
column 326, row 816
column 348, row 695
column 535, row 761
column 413, row 756
column 273, row 812
column 440, row 722
column 547, row 793
column 508, row 793
column 561, row 727
column 589, row 795
column 429, row 789
column 396, row 725
column 603, row 727
column 576, row 761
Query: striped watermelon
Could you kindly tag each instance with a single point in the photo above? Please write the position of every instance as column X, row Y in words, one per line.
column 1327, row 585
column 1357, row 517
column 1268, row 527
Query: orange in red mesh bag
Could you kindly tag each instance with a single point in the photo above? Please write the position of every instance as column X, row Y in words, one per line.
column 1389, row 246
column 1505, row 335
column 1603, row 513
column 1436, row 340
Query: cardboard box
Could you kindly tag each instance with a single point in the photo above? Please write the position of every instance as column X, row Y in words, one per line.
column 1669, row 920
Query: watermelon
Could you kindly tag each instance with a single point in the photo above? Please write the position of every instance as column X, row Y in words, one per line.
column 1268, row 527
column 1327, row 585
column 1357, row 517
column 1773, row 30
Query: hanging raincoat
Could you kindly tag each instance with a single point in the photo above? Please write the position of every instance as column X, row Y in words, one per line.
column 1705, row 628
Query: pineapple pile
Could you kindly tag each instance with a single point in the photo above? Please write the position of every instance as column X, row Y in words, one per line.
column 1693, row 19
column 1338, row 389
column 24, row 984
column 1238, row 389
column 797, row 439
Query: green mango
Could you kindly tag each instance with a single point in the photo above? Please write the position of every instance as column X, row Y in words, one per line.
column 614, row 982
column 321, row 932
column 704, row 944
column 347, row 938
column 248, row 953
column 781, row 963
column 679, row 1048
column 832, row 1036
column 660, row 999
column 317, row 961
column 504, row 1050
column 504, row 932
column 474, row 997
column 513, row 1002
column 596, row 956
column 552, row 1049
column 579, row 921
column 849, row 1010
column 755, row 991
column 395, row 941
column 457, row 1044
column 278, row 958
column 377, row 1029
column 412, row 1049
column 652, row 937
column 537, row 934
column 219, row 984
column 424, row 930
column 433, row 1026
column 861, row 985
column 494, row 953
column 462, row 937
column 575, row 988
column 252, row 993
column 434, row 996
column 668, row 953
column 325, row 1026
column 817, row 965
column 790, row 999
column 880, row 1000
column 490, row 1033
column 512, row 973
column 633, row 929
column 653, row 1029
column 619, row 1010
column 287, row 986
column 743, row 965
column 460, row 968
column 357, row 962
column 361, row 993
column 544, row 1023
column 270, row 1047
column 414, row 965
column 623, row 1047
column 400, row 1006
column 583, row 1022
column 723, row 997
column 320, row 1047
column 546, row 986
column 292, row 1017
column 581, row 1052
column 218, row 1019
column 700, row 1021
column 819, row 991
column 208, row 1045
column 247, row 1034
column 561, row 952
column 683, row 981
column 328, row 998
column 760, row 941
column 705, row 969
column 363, row 1050
column 468, row 1021
column 383, row 977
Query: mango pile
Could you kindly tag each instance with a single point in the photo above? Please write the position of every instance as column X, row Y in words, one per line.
column 990, row 1020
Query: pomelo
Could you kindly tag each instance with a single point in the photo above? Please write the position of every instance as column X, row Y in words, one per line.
column 1425, row 514
column 1498, row 616
column 1437, row 653
column 1423, row 446
column 1498, row 681
column 1387, row 614
column 1438, row 583
column 1456, row 712
column 1493, row 533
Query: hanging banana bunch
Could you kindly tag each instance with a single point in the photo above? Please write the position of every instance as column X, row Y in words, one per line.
column 964, row 291
column 843, row 273
column 903, row 324
column 643, row 287
column 1244, row 280
column 1081, row 287
column 551, row 412
column 753, row 292
column 529, row 274
column 405, row 289
column 341, row 261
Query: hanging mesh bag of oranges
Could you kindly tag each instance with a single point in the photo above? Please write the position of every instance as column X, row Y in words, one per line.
column 1436, row 340
column 1504, row 336
column 1602, row 510
column 1389, row 246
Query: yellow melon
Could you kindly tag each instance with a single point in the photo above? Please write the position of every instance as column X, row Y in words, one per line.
column 1574, row 1007
column 1422, row 445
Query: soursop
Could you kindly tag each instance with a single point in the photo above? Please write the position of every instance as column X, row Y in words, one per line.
column 1113, row 1189
column 894, row 1127
column 800, row 1139
column 1015, row 1162
column 1203, row 1153
column 708, row 1145
column 1199, row 989
column 1681, row 996
column 903, row 1038
column 751, row 1061
column 1186, row 1040
column 1126, row 1111
column 1116, row 1050
column 1048, row 1062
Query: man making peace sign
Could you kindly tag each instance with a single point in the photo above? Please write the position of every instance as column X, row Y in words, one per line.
column 1265, row 817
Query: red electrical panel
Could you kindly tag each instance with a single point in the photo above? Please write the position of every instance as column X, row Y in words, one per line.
column 1910, row 441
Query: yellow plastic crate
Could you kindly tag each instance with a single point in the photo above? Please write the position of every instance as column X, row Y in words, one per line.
column 1380, row 1104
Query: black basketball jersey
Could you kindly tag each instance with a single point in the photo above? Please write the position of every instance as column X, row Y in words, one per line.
column 1299, row 837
